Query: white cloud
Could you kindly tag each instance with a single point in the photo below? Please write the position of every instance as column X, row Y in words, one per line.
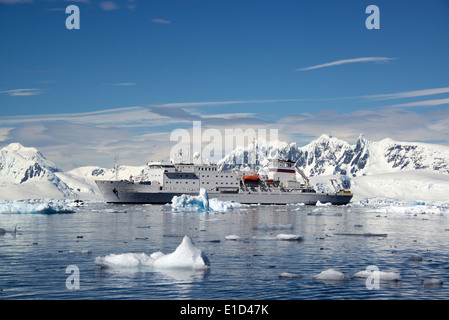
column 346, row 61
column 15, row 1
column 409, row 94
column 425, row 103
column 4, row 132
column 395, row 123
column 139, row 133
column 22, row 92
column 161, row 21
column 124, row 84
column 108, row 5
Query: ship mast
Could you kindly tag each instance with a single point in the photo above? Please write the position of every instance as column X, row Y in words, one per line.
column 115, row 167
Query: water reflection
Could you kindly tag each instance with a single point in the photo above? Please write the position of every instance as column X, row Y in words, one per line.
column 248, row 268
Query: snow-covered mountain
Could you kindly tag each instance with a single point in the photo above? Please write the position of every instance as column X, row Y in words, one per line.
column 25, row 174
column 386, row 169
column 331, row 156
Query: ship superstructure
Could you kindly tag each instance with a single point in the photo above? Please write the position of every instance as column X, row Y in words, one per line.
column 166, row 180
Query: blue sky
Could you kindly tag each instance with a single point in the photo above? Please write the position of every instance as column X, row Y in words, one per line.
column 137, row 70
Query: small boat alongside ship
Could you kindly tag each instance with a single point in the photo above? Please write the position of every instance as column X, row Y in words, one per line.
column 166, row 180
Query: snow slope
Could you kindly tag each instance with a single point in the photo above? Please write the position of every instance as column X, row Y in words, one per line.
column 26, row 174
column 385, row 169
column 330, row 156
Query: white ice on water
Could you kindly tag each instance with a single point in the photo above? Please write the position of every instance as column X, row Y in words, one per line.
column 289, row 237
column 186, row 256
column 201, row 202
column 381, row 275
column 412, row 209
column 36, row 206
column 330, row 275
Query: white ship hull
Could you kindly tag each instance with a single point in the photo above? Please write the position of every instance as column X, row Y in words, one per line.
column 130, row 192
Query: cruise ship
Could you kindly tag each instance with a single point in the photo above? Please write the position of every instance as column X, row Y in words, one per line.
column 165, row 180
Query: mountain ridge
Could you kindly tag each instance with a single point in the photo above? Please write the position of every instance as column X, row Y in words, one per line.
column 25, row 173
column 329, row 155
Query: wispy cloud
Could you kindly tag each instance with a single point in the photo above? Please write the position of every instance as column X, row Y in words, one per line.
column 14, row 1
column 161, row 21
column 425, row 103
column 396, row 123
column 221, row 103
column 409, row 94
column 346, row 61
column 80, row 1
column 22, row 92
column 124, row 84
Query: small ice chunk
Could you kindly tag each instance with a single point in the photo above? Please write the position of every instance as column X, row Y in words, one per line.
column 289, row 237
column 320, row 204
column 330, row 275
column 432, row 282
column 381, row 275
column 289, row 275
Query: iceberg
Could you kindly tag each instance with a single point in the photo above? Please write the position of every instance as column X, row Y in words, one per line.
column 186, row 256
column 35, row 206
column 201, row 202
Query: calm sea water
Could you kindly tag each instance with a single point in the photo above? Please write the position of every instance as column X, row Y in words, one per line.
column 33, row 261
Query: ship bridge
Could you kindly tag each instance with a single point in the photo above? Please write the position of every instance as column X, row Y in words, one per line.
column 189, row 176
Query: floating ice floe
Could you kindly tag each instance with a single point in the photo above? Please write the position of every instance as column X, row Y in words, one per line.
column 186, row 256
column 432, row 282
column 201, row 202
column 289, row 237
column 232, row 237
column 289, row 275
column 266, row 226
column 320, row 204
column 381, row 275
column 330, row 275
column 35, row 206
column 416, row 209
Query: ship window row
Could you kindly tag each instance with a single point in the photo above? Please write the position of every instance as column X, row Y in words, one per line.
column 181, row 176
column 208, row 169
column 207, row 176
column 218, row 183
column 187, row 182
